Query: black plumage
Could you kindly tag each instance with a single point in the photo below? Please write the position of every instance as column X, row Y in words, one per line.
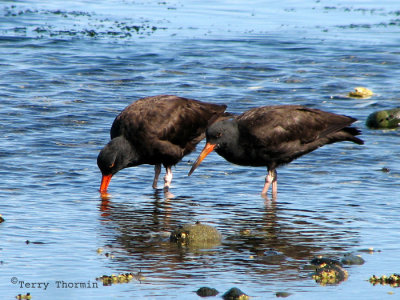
column 158, row 130
column 272, row 136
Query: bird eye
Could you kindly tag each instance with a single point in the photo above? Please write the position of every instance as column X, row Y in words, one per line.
column 112, row 165
column 218, row 135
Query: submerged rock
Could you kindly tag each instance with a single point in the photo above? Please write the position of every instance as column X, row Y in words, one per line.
column 235, row 294
column 320, row 261
column 196, row 235
column 384, row 119
column 369, row 250
column 351, row 259
column 282, row 294
column 271, row 257
column 206, row 292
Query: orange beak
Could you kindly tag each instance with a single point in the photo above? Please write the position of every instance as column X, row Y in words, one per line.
column 207, row 149
column 105, row 181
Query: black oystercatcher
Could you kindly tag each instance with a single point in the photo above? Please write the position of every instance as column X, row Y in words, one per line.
column 155, row 130
column 272, row 136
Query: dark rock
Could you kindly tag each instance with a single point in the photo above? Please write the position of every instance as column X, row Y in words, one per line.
column 350, row 259
column 369, row 250
column 271, row 257
column 318, row 261
column 206, row 292
column 385, row 170
column 282, row 294
column 235, row 294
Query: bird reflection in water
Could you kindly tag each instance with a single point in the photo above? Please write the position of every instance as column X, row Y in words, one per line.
column 262, row 240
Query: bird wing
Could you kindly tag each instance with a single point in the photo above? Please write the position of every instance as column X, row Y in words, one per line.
column 166, row 125
column 275, row 126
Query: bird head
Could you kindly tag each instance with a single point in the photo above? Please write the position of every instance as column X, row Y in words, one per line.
column 218, row 136
column 115, row 156
column 221, row 133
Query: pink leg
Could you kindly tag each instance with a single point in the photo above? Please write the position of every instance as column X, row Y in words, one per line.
column 271, row 178
column 157, row 171
column 275, row 186
column 167, row 178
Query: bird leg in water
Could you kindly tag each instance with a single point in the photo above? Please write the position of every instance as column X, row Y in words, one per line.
column 167, row 178
column 275, row 186
column 271, row 177
column 157, row 171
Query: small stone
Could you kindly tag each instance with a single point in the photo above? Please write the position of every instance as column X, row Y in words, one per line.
column 235, row 294
column 282, row 294
column 245, row 232
column 350, row 259
column 318, row 261
column 361, row 92
column 206, row 292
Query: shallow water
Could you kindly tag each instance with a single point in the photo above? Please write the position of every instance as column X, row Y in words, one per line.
column 68, row 69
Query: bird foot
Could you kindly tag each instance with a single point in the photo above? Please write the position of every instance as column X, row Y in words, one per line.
column 168, row 194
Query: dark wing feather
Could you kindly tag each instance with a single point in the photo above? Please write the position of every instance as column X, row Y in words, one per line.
column 283, row 133
column 276, row 124
column 164, row 126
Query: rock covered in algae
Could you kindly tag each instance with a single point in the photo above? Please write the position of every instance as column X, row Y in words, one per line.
column 330, row 274
column 328, row 271
column 384, row 119
column 206, row 292
column 120, row 278
column 393, row 280
column 196, row 235
column 361, row 92
column 235, row 294
column 20, row 296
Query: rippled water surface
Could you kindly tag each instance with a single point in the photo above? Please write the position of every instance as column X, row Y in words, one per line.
column 67, row 68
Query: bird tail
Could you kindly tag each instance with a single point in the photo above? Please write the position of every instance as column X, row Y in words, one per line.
column 351, row 134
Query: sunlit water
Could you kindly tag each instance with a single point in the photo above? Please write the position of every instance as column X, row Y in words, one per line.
column 67, row 69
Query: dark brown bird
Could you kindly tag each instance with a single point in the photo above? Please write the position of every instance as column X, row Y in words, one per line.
column 155, row 130
column 272, row 136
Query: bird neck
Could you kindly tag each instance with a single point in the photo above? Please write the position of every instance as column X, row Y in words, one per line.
column 127, row 153
column 230, row 148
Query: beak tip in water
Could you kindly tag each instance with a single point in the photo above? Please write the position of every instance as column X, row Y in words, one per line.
column 105, row 181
